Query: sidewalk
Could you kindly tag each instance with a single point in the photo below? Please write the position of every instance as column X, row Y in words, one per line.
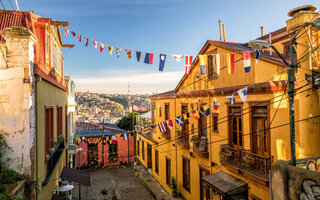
column 152, row 185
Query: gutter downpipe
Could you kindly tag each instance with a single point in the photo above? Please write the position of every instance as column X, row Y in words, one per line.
column 37, row 79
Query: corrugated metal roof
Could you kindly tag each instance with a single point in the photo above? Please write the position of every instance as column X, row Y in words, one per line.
column 88, row 129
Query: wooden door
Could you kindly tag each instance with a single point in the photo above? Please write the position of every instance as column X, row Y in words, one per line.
column 149, row 156
column 93, row 155
column 204, row 188
column 235, row 131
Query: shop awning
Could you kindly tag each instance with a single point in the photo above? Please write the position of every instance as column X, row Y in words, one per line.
column 224, row 183
column 77, row 176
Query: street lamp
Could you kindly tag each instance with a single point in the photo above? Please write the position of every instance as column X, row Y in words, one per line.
column 262, row 44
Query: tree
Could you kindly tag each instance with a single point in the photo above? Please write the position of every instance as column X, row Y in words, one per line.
column 126, row 122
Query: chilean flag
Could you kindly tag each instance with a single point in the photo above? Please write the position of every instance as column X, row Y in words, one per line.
column 149, row 58
column 188, row 64
column 246, row 61
column 162, row 127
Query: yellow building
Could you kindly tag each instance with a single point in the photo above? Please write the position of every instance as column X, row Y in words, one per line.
column 228, row 154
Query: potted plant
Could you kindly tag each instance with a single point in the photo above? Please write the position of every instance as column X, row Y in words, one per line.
column 224, row 153
column 196, row 140
column 61, row 138
column 174, row 188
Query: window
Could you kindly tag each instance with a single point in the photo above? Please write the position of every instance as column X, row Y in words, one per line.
column 235, row 127
column 138, row 147
column 159, row 111
column 204, row 188
column 168, row 171
column 215, row 123
column 59, row 120
column 113, row 152
column 184, row 110
column 156, row 157
column 48, row 128
column 186, row 173
column 66, row 123
column 167, row 116
column 153, row 110
column 55, row 52
column 202, row 123
column 260, row 138
column 142, row 150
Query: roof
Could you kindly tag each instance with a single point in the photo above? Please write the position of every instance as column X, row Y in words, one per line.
column 224, row 183
column 146, row 115
column 77, row 176
column 89, row 129
column 237, row 48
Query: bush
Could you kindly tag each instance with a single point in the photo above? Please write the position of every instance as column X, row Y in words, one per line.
column 8, row 196
column 11, row 176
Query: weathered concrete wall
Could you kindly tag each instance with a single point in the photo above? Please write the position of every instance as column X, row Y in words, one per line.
column 16, row 99
column 290, row 183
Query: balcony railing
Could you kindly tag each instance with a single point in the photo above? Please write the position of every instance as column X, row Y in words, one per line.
column 183, row 140
column 247, row 162
column 166, row 134
column 200, row 146
column 53, row 159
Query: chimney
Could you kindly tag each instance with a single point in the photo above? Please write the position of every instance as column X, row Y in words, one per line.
column 261, row 28
column 224, row 36
column 220, row 30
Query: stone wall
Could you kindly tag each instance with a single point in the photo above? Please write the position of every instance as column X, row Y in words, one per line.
column 290, row 183
column 17, row 116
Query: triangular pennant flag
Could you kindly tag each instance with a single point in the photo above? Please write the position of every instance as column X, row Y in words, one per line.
column 203, row 63
column 138, row 54
column 66, row 30
column 179, row 120
column 215, row 104
column 188, row 64
column 246, row 61
column 231, row 98
column 162, row 61
column 73, row 33
column 95, row 44
column 100, row 140
column 101, row 47
column 110, row 49
column 118, row 51
column 79, row 37
column 257, row 53
column 104, row 140
column 186, row 116
column 128, row 53
column 86, row 41
column 169, row 124
column 149, row 58
column 125, row 136
column 177, row 57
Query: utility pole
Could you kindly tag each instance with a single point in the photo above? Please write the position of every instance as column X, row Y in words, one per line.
column 103, row 143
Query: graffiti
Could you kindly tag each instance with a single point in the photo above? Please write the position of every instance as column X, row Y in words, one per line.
column 310, row 190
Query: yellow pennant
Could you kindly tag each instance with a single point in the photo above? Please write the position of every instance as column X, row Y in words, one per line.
column 229, row 63
column 110, row 49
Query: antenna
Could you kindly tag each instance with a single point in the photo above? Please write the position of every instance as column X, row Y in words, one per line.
column 17, row 4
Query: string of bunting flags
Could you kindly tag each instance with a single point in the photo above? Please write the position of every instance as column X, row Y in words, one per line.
column 109, row 139
column 149, row 57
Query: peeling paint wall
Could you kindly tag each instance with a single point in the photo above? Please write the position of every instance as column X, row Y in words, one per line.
column 17, row 116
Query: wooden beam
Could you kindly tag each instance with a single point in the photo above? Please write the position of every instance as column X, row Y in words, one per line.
column 59, row 23
column 68, row 45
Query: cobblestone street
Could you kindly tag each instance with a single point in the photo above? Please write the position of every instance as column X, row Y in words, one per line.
column 120, row 181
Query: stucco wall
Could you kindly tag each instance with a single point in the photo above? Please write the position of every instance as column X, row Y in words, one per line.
column 290, row 183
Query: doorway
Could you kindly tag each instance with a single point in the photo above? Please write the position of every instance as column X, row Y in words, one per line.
column 93, row 155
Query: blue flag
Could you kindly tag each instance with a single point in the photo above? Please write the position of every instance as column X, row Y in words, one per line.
column 104, row 141
column 138, row 53
column 231, row 98
column 162, row 61
column 125, row 136
column 179, row 120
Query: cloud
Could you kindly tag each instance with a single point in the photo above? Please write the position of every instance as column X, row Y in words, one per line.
column 139, row 83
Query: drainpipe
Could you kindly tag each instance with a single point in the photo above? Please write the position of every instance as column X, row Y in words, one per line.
column 37, row 79
column 175, row 135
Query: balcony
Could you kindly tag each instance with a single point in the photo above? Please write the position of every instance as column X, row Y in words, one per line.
column 53, row 160
column 183, row 139
column 200, row 145
column 250, row 164
column 166, row 135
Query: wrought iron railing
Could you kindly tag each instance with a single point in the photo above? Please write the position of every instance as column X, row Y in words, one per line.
column 166, row 134
column 201, row 145
column 246, row 161
column 53, row 159
column 230, row 156
column 183, row 139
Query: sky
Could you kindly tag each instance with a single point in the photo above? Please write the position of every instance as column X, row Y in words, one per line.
column 154, row 26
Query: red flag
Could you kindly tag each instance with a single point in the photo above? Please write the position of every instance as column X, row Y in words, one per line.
column 169, row 123
column 101, row 47
column 79, row 37
column 232, row 62
column 128, row 53
column 95, row 43
column 188, row 64
column 67, row 30
column 195, row 114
